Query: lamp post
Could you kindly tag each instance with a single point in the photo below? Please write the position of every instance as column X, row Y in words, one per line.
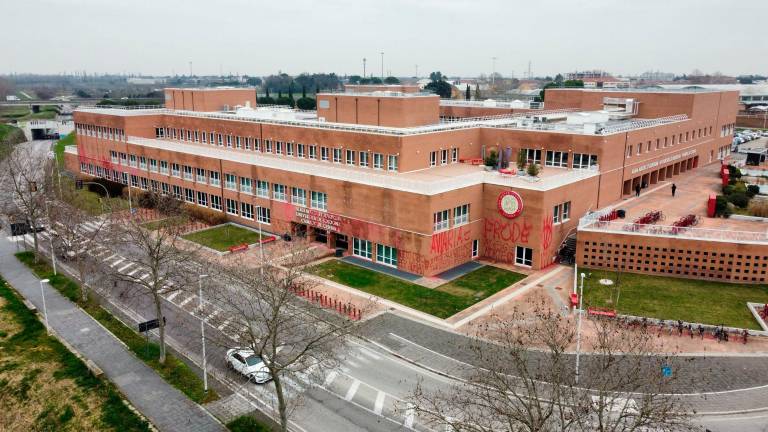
column 107, row 193
column 578, row 327
column 53, row 252
column 45, row 311
column 202, row 327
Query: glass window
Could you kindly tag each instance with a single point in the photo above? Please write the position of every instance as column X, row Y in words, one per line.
column 319, row 200
column 262, row 189
column 289, row 149
column 175, row 170
column 455, row 154
column 386, row 255
column 300, row 150
column 350, row 157
column 432, row 158
column 278, row 192
column 475, row 248
column 263, row 215
column 268, row 146
column 214, row 178
column 461, row 215
column 231, row 206
column 216, row 202
column 392, row 163
column 583, row 161
column 299, row 196
column 378, row 161
column 312, row 152
column 200, row 175
column 324, row 154
column 230, row 181
column 440, row 220
column 361, row 248
column 202, row 199
column 187, row 172
column 444, row 157
column 176, row 191
column 189, row 195
column 164, row 167
column 364, row 159
column 278, row 147
column 533, row 156
column 246, row 210
column 337, row 155
column 523, row 256
column 245, row 185
column 557, row 159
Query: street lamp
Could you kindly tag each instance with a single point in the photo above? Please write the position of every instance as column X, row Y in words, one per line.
column 45, row 311
column 202, row 327
column 578, row 327
column 53, row 252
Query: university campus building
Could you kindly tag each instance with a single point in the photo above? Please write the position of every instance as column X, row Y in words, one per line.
column 396, row 177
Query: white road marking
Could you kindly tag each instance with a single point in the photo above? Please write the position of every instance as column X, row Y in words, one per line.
column 368, row 353
column 378, row 406
column 134, row 271
column 109, row 257
column 224, row 324
column 187, row 300
column 352, row 390
column 352, row 364
column 144, row 276
column 123, row 268
column 329, row 379
column 211, row 316
column 410, row 415
column 114, row 264
column 173, row 296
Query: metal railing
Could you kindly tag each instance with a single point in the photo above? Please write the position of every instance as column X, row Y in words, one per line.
column 644, row 123
column 590, row 223
column 492, row 104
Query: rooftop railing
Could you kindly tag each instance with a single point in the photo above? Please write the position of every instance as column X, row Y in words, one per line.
column 592, row 223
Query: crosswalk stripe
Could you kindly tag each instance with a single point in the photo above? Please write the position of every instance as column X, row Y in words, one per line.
column 410, row 415
column 352, row 364
column 352, row 390
column 187, row 300
column 114, row 264
column 224, row 324
column 123, row 268
column 144, row 276
column 173, row 296
column 109, row 257
column 378, row 406
column 368, row 353
column 134, row 271
column 211, row 316
column 330, row 377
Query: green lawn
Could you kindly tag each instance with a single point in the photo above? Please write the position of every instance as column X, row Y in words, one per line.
column 443, row 301
column 223, row 237
column 167, row 222
column 175, row 371
column 44, row 386
column 58, row 148
column 675, row 298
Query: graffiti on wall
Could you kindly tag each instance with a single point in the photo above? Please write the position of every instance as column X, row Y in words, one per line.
column 501, row 236
column 422, row 264
column 546, row 232
column 446, row 240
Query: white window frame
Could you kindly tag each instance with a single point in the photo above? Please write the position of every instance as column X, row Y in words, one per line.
column 386, row 255
column 441, row 220
column 461, row 215
column 362, row 248
column 262, row 189
column 520, row 256
column 319, row 200
column 299, row 196
column 279, row 192
column 392, row 162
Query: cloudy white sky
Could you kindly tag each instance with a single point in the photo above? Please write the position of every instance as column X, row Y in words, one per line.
column 456, row 37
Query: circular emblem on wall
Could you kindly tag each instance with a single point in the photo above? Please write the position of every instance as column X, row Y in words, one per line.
column 510, row 204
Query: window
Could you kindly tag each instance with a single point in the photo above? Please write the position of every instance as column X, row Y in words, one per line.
column 361, row 248
column 337, row 155
column 164, row 167
column 312, row 152
column 231, row 206
column 378, row 161
column 523, row 256
column 533, row 156
column 350, row 157
column 133, row 161
column 245, row 185
column 189, row 195
column 187, row 172
column 204, row 137
column 561, row 212
column 123, row 159
column 268, row 146
column 324, row 154
column 386, row 255
column 278, row 192
column 440, row 220
column 216, row 202
column 629, row 150
column 202, row 199
column 189, row 135
column 475, row 248
column 639, row 148
column 455, row 154
column 319, row 200
column 461, row 215
column 166, row 188
column 278, row 147
column 262, row 189
column 432, row 158
column 197, row 136
column 144, row 181
column 289, row 149
column 175, row 170
column 214, row 178
column 229, row 141
column 230, row 181
column 300, row 150
column 364, row 159
column 392, row 163
column 262, row 215
column 142, row 162
column 177, row 192
column 557, row 159
column 113, row 156
column 658, row 143
column 256, row 144
column 238, row 144
column 444, row 157
column 200, row 175
column 299, row 196
column 582, row 161
column 159, row 133
column 246, row 210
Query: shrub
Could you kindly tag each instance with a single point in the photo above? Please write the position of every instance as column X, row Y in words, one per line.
column 148, row 200
column 758, row 208
column 739, row 199
column 306, row 103
column 533, row 170
column 246, row 424
column 211, row 217
column 734, row 172
column 727, row 190
column 492, row 159
column 522, row 159
column 753, row 190
column 721, row 205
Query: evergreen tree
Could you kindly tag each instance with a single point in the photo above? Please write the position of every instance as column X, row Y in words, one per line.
column 468, row 95
column 267, row 95
column 303, row 92
column 477, row 91
column 290, row 90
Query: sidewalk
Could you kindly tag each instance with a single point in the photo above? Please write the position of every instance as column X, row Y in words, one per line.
column 167, row 408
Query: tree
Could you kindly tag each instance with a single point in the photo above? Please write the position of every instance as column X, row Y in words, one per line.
column 44, row 92
column 492, row 159
column 266, row 99
column 512, row 387
column 391, row 80
column 354, row 79
column 303, row 92
column 295, row 337
column 441, row 88
column 163, row 259
column 376, row 80
column 436, row 76
column 522, row 159
column 467, row 94
column 253, row 81
column 26, row 186
column 477, row 92
column 306, row 103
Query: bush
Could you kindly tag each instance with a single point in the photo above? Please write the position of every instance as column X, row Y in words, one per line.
column 734, row 172
column 246, row 424
column 492, row 159
column 721, row 206
column 148, row 200
column 211, row 217
column 522, row 159
column 727, row 190
column 306, row 103
column 753, row 190
column 533, row 170
column 739, row 199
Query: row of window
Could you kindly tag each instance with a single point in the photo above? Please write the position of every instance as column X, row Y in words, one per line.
column 338, row 155
column 727, row 129
column 665, row 142
column 560, row 158
column 441, row 220
column 443, row 156
column 103, row 132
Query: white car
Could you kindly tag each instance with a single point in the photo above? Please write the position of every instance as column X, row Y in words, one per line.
column 246, row 362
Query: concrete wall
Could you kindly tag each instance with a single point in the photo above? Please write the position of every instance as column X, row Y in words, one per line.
column 379, row 110
column 194, row 99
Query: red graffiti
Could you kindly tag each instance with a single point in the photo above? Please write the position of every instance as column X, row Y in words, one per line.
column 546, row 232
column 416, row 263
column 446, row 240
column 507, row 231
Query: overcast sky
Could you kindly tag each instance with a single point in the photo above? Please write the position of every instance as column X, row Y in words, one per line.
column 456, row 37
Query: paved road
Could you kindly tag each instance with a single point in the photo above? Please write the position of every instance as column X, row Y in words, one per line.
column 166, row 407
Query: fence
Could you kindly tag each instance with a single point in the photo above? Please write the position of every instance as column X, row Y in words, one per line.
column 592, row 223
column 347, row 309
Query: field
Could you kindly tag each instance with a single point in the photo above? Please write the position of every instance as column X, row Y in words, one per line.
column 443, row 301
column 222, row 237
column 45, row 387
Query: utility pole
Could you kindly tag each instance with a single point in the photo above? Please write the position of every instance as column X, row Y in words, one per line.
column 578, row 327
column 202, row 327
column 529, row 69
column 382, row 65
column 417, row 71
column 493, row 72
column 364, row 67
column 190, row 69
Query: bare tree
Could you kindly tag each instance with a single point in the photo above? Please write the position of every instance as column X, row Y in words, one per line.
column 25, row 187
column 525, row 381
column 296, row 338
column 161, row 258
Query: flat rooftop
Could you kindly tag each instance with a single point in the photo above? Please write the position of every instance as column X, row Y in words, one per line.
column 693, row 190
column 379, row 93
column 289, row 117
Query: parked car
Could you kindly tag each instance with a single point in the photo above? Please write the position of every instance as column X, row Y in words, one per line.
column 247, row 363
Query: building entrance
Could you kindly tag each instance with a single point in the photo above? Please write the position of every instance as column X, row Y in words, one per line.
column 342, row 242
column 320, row 235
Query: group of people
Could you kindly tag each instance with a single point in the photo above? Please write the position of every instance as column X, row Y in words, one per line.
column 720, row 333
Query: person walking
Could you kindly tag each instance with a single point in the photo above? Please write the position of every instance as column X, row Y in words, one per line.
column 674, row 189
column 637, row 190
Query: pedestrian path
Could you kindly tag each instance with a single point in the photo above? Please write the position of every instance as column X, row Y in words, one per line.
column 166, row 407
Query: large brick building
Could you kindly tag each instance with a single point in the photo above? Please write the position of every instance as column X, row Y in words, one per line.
column 388, row 177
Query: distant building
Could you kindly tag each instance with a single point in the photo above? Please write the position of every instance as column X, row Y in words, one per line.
column 12, row 98
column 598, row 79
column 145, row 80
